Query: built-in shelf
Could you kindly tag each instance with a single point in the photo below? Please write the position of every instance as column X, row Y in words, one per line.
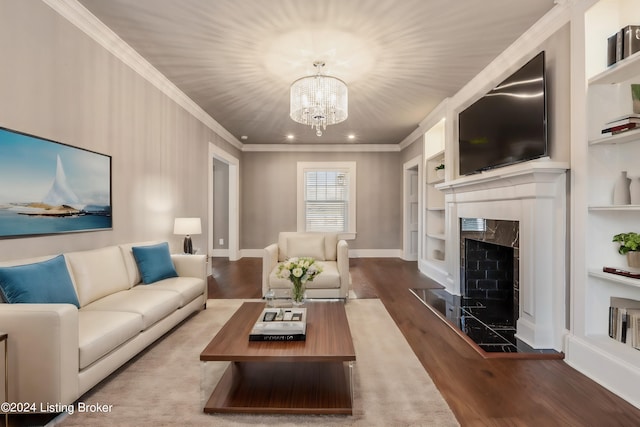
column 439, row 236
column 438, row 263
column 435, row 208
column 615, row 208
column 619, row 72
column 614, row 278
column 435, row 181
column 621, row 138
column 598, row 160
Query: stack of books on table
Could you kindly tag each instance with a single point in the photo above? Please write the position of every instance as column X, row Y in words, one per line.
column 624, row 321
column 622, row 124
column 280, row 324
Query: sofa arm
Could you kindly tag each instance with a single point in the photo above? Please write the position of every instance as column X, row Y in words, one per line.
column 192, row 266
column 43, row 352
column 269, row 261
column 343, row 267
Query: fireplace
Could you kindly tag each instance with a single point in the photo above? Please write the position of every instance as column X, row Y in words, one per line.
column 530, row 200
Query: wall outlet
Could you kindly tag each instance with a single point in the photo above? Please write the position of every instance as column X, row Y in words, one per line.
column 221, row 241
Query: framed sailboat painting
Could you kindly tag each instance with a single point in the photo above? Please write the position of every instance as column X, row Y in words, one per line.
column 47, row 187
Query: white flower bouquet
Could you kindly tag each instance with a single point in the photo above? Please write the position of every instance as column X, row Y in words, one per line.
column 299, row 270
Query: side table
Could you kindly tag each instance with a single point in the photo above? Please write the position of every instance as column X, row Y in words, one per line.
column 3, row 337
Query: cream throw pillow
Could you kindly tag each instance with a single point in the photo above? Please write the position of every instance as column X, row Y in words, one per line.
column 307, row 246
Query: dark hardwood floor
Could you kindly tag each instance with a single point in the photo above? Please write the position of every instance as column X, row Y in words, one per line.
column 481, row 392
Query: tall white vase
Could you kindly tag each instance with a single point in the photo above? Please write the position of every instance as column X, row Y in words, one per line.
column 621, row 192
column 634, row 191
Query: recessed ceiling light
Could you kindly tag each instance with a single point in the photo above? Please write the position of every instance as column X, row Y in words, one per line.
column 244, row 137
column 351, row 136
column 290, row 136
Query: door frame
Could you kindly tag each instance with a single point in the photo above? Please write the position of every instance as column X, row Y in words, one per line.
column 406, row 241
column 218, row 153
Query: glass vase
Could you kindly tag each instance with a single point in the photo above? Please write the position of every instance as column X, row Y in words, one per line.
column 297, row 292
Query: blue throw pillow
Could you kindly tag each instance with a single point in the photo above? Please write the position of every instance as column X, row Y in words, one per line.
column 154, row 262
column 41, row 282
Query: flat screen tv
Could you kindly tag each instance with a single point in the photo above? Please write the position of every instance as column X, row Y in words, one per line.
column 507, row 125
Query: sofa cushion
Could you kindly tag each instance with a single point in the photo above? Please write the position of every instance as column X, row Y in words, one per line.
column 154, row 262
column 306, row 246
column 153, row 305
column 328, row 279
column 41, row 282
column 188, row 288
column 130, row 261
column 97, row 273
column 100, row 332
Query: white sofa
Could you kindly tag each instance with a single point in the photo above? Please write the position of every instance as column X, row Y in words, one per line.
column 330, row 252
column 58, row 352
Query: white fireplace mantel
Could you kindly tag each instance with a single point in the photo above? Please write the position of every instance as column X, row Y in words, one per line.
column 534, row 194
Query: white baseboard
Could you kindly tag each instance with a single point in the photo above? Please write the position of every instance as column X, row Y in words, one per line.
column 620, row 375
column 222, row 253
column 375, row 253
column 251, row 253
column 353, row 253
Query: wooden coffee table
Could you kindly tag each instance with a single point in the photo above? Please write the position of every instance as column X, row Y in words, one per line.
column 302, row 377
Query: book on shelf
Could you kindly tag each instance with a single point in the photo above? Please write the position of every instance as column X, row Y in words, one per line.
column 623, row 44
column 623, row 118
column 280, row 324
column 621, row 272
column 623, row 121
column 624, row 321
column 630, row 40
column 614, row 130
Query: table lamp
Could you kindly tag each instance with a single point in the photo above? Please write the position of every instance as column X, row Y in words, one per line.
column 187, row 227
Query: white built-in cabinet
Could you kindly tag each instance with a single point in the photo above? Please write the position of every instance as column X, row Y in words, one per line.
column 434, row 215
column 600, row 94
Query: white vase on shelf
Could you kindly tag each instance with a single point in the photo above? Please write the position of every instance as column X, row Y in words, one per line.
column 634, row 191
column 621, row 192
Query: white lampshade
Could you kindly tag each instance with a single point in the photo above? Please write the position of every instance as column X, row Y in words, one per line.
column 187, row 226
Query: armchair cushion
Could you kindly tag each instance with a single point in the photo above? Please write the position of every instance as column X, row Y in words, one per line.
column 328, row 279
column 302, row 246
column 303, row 240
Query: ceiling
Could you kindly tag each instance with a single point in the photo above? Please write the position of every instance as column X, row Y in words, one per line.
column 400, row 58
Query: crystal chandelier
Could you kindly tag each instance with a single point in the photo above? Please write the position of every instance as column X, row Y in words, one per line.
column 319, row 100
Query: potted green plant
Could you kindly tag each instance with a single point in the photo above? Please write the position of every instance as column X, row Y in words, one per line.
column 635, row 97
column 440, row 171
column 629, row 246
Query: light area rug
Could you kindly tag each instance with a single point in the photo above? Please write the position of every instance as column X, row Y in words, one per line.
column 162, row 386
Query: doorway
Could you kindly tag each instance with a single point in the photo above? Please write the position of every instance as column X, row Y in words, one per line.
column 411, row 206
column 224, row 196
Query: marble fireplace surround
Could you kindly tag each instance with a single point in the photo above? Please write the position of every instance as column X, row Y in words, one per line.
column 535, row 195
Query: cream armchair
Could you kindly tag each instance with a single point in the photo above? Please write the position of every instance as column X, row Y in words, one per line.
column 332, row 254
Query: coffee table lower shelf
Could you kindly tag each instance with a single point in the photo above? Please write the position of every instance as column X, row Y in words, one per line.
column 284, row 388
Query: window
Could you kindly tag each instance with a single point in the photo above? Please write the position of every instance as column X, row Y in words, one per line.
column 326, row 197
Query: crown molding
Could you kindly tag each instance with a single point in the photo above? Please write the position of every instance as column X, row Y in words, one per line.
column 88, row 23
column 437, row 114
column 316, row 148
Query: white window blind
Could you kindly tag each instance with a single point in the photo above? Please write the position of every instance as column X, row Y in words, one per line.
column 326, row 198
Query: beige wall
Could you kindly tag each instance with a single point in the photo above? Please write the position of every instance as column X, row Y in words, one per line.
column 413, row 150
column 57, row 83
column 268, row 191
